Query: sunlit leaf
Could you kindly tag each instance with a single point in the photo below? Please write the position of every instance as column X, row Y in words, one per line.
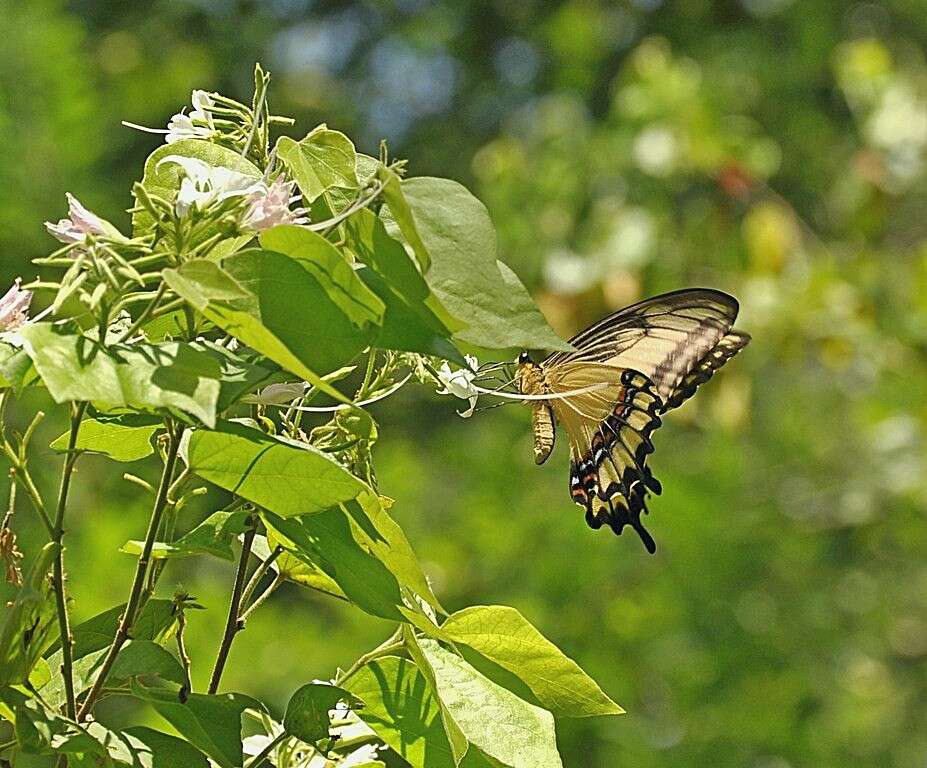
column 408, row 329
column 402, row 709
column 330, row 268
column 330, row 542
column 504, row 726
column 119, row 442
column 214, row 536
column 504, row 636
column 142, row 376
column 286, row 477
column 15, row 366
column 405, row 220
column 465, row 274
column 323, row 159
column 262, row 300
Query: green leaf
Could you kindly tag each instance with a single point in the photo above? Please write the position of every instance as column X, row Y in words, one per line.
column 455, row 736
column 155, row 622
column 286, row 477
column 211, row 723
column 497, row 721
column 164, row 182
column 329, row 541
column 262, row 301
column 403, row 216
column 110, row 438
column 15, row 366
column 139, row 658
column 214, row 536
column 29, row 621
column 367, row 238
column 141, row 376
column 154, row 749
column 241, row 372
column 144, row 658
column 465, row 274
column 401, row 708
column 382, row 536
column 504, row 636
column 330, row 268
column 323, row 159
column 363, row 551
column 406, row 328
column 306, row 715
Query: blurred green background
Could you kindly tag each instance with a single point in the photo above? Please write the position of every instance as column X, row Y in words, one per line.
column 771, row 148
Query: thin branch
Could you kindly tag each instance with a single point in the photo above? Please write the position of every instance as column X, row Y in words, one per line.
column 233, row 623
column 388, row 646
column 61, row 599
column 182, row 651
column 278, row 580
column 146, row 313
column 141, row 569
column 259, row 574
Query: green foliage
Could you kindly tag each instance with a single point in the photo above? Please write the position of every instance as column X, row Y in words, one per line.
column 307, row 713
column 322, row 160
column 769, row 148
column 144, row 377
column 188, row 345
column 118, row 441
column 284, row 477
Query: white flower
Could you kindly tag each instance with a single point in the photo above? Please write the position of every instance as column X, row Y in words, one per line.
column 203, row 183
column 78, row 225
column 13, row 307
column 270, row 206
column 196, row 125
column 460, row 384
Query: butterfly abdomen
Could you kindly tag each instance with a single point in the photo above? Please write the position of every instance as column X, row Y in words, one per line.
column 530, row 380
column 543, row 424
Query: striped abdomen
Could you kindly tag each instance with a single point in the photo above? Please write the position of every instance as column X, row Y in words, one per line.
column 543, row 423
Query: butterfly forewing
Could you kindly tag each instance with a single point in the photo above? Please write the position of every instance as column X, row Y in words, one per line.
column 640, row 362
column 663, row 337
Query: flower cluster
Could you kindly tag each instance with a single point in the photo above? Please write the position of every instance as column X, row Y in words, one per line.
column 267, row 204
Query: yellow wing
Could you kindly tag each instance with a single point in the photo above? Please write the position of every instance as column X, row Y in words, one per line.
column 664, row 338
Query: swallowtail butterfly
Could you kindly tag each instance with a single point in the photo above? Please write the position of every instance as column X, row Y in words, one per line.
column 627, row 371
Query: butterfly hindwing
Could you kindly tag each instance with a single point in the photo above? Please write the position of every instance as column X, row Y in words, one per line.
column 609, row 476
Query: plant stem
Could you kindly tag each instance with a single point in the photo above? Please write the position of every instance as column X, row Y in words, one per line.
column 259, row 574
column 278, row 580
column 392, row 643
column 146, row 313
column 61, row 599
column 182, row 651
column 141, row 569
column 232, row 622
